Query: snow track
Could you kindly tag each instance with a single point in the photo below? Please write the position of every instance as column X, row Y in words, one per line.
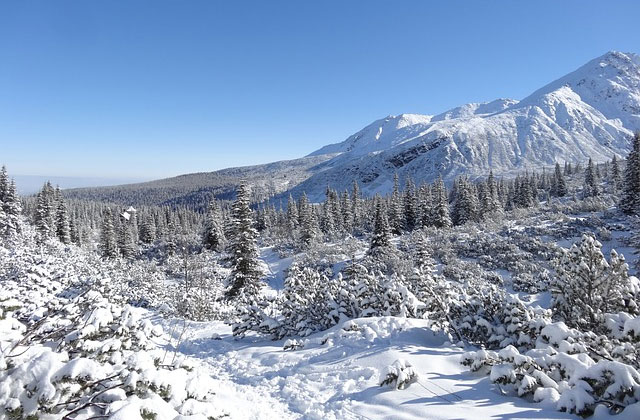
column 336, row 375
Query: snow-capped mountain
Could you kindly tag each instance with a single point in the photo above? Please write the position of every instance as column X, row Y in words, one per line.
column 591, row 112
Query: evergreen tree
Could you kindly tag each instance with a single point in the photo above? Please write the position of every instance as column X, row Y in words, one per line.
column 616, row 175
column 44, row 213
column 245, row 273
column 441, row 217
column 148, row 230
column 465, row 206
column 591, row 188
column 10, row 206
column 558, row 185
column 292, row 215
column 410, row 206
column 62, row 218
column 396, row 214
column 213, row 235
column 308, row 221
column 126, row 246
column 630, row 201
column 108, row 245
column 381, row 231
column 588, row 286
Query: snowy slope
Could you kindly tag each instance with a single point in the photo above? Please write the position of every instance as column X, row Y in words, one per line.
column 590, row 112
column 337, row 374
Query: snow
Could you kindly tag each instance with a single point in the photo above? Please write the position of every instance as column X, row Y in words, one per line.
column 337, row 373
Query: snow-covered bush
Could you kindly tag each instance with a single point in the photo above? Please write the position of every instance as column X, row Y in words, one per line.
column 399, row 375
column 588, row 286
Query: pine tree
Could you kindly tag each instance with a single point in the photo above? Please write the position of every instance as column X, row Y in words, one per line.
column 108, row 245
column 616, row 176
column 441, row 217
column 559, row 185
column 62, row 218
column 356, row 210
column 396, row 213
column 308, row 221
column 148, row 230
column 588, row 286
column 465, row 206
column 245, row 273
column 10, row 206
column 591, row 188
column 491, row 201
column 410, row 206
column 213, row 235
column 292, row 215
column 44, row 214
column 381, row 231
column 630, row 201
column 126, row 246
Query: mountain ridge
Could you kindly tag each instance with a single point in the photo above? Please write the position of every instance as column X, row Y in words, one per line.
column 589, row 113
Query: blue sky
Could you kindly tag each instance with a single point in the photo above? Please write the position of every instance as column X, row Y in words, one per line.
column 147, row 89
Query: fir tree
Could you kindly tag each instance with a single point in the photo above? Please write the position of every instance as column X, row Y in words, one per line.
column 591, row 188
column 558, row 185
column 441, row 217
column 396, row 214
column 62, row 218
column 213, row 235
column 308, row 221
column 10, row 206
column 245, row 272
column 381, row 231
column 126, row 244
column 588, row 286
column 630, row 200
column 410, row 206
column 616, row 175
column 108, row 244
column 148, row 230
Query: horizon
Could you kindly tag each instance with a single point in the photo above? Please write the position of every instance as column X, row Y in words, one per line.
column 111, row 91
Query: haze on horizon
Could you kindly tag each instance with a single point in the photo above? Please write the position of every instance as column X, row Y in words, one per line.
column 140, row 90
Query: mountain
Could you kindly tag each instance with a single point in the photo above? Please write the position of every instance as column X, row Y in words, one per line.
column 195, row 190
column 591, row 112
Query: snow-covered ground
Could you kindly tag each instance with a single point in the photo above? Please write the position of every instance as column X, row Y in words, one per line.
column 337, row 374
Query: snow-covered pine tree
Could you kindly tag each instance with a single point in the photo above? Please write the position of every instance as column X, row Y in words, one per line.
column 126, row 244
column 44, row 214
column 465, row 206
column 558, row 184
column 245, row 272
column 108, row 244
column 591, row 188
column 381, row 231
column 616, row 175
column 588, row 286
column 62, row 218
column 292, row 216
column 410, row 205
column 308, row 221
column 491, row 203
column 148, row 230
column 396, row 213
column 10, row 206
column 441, row 217
column 213, row 235
column 347, row 215
column 630, row 200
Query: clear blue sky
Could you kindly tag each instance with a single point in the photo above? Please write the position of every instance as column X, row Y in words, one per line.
column 157, row 88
